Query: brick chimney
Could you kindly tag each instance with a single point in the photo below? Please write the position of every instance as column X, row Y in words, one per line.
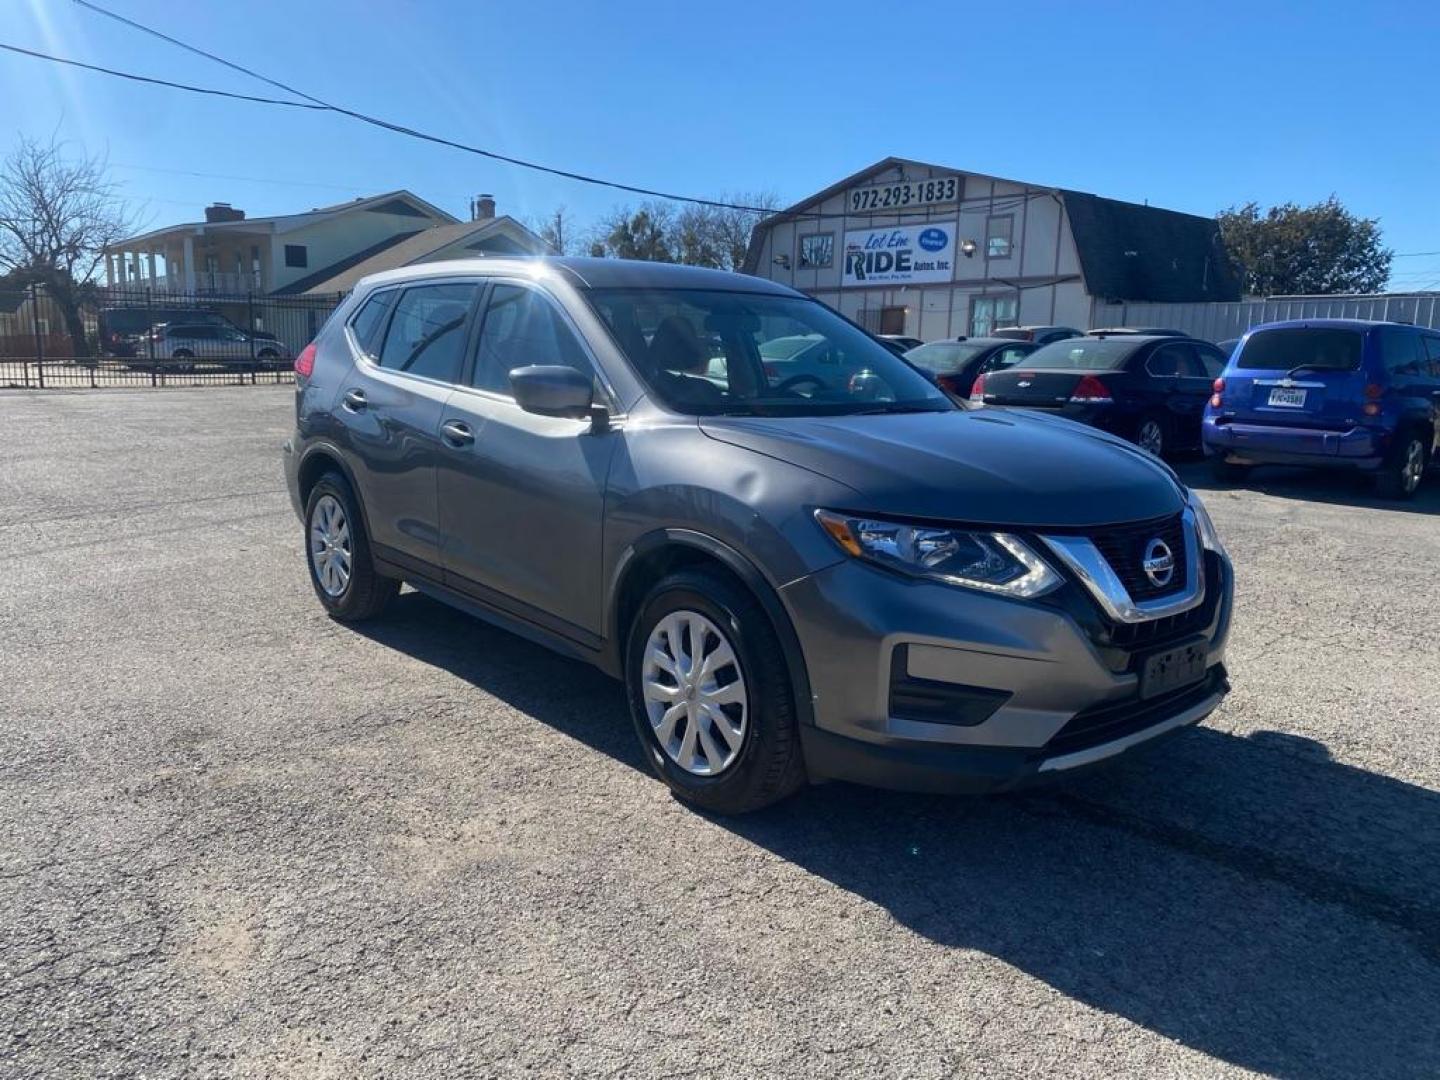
column 222, row 211
column 482, row 207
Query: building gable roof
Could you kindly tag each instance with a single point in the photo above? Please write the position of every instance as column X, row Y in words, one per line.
column 1127, row 251
column 1143, row 253
column 400, row 202
column 424, row 245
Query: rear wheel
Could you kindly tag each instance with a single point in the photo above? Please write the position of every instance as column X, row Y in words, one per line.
column 338, row 554
column 710, row 695
column 1150, row 436
column 1404, row 469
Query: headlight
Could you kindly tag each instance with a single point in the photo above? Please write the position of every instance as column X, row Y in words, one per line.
column 1209, row 538
column 990, row 561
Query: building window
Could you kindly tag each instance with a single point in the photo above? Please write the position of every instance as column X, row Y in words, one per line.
column 989, row 313
column 297, row 255
column 818, row 249
column 999, row 229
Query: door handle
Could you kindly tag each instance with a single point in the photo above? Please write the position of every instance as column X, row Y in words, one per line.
column 457, row 433
column 355, row 400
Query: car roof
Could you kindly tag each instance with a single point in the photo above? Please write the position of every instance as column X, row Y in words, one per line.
column 1135, row 340
column 592, row 273
column 979, row 341
column 1332, row 324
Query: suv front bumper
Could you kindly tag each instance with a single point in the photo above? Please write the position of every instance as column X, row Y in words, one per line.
column 922, row 686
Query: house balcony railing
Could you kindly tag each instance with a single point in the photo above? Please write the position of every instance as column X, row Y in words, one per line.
column 205, row 283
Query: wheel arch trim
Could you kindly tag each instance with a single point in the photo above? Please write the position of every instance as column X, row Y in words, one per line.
column 749, row 575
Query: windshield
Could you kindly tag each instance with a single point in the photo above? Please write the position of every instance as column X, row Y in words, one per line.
column 943, row 357
column 1315, row 348
column 1081, row 354
column 710, row 353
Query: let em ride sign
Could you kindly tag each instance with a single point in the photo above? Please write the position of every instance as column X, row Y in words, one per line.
column 900, row 253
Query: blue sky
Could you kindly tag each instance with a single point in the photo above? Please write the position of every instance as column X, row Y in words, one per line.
column 1194, row 108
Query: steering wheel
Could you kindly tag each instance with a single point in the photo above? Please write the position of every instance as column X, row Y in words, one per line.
column 795, row 380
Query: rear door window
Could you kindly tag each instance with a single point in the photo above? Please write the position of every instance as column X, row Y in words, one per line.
column 1212, row 361
column 1312, row 348
column 426, row 336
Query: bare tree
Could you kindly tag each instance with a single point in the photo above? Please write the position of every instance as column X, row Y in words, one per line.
column 719, row 236
column 56, row 218
column 557, row 229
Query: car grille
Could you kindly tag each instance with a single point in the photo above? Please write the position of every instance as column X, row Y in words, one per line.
column 1124, row 549
column 1144, row 635
column 1105, row 723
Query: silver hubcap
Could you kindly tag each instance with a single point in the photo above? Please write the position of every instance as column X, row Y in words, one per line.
column 1414, row 468
column 330, row 545
column 1152, row 439
column 694, row 693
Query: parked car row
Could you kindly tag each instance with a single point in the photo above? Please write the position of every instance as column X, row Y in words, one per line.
column 1332, row 393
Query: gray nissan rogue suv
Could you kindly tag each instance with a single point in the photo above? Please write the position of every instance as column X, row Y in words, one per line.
column 835, row 574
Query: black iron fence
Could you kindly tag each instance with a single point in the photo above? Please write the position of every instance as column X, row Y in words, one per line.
column 143, row 337
column 54, row 373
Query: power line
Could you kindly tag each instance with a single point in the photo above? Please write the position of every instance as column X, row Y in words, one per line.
column 158, row 82
column 320, row 104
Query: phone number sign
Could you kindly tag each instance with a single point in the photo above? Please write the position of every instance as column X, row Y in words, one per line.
column 923, row 252
column 939, row 189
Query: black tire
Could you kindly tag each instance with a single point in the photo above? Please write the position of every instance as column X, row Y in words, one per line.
column 366, row 592
column 1396, row 479
column 1228, row 472
column 768, row 766
column 1161, row 430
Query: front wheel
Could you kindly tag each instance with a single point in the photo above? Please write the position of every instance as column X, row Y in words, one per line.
column 1400, row 476
column 710, row 695
column 338, row 554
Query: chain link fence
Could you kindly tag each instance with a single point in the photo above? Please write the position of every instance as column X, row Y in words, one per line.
column 143, row 337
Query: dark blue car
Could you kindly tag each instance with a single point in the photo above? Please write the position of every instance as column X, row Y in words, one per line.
column 1345, row 393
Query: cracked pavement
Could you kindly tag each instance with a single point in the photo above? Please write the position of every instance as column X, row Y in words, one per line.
column 241, row 840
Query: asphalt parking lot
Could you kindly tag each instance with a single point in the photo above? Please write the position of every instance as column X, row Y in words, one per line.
column 242, row 840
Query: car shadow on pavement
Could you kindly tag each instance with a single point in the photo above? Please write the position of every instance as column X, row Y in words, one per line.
column 1247, row 897
column 1318, row 486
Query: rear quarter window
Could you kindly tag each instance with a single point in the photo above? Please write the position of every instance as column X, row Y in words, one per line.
column 1286, row 348
column 369, row 322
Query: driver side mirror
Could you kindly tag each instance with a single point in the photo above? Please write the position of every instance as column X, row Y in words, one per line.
column 553, row 390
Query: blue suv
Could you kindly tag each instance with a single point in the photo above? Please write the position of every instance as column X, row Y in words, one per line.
column 1346, row 393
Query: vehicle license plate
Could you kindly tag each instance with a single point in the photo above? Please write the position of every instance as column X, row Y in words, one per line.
column 1174, row 668
column 1290, row 399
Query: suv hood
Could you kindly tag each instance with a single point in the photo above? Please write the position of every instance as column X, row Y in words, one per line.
column 986, row 466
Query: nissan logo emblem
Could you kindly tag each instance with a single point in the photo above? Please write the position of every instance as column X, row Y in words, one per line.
column 1159, row 563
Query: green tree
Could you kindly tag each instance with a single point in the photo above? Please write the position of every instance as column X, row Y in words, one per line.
column 56, row 218
column 1305, row 249
column 643, row 233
